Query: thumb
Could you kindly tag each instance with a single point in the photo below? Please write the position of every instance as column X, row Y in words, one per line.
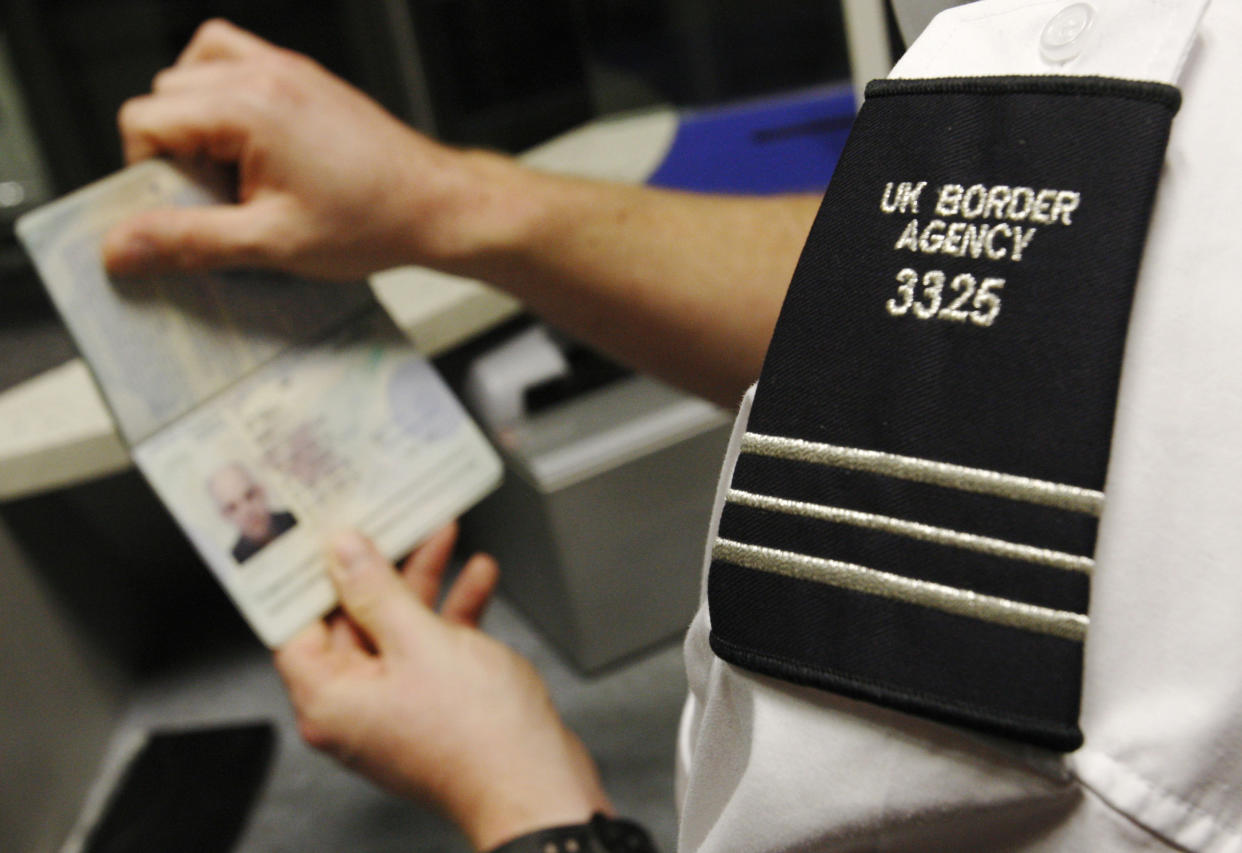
column 371, row 592
column 188, row 239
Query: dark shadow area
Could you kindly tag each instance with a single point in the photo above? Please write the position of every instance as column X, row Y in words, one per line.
column 112, row 556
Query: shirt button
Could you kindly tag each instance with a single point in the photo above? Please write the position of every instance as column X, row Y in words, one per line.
column 1064, row 36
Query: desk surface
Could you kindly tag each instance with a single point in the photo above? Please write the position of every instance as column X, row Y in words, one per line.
column 56, row 431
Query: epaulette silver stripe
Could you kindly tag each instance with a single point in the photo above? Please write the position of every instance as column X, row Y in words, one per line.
column 982, row 481
column 916, row 530
column 960, row 602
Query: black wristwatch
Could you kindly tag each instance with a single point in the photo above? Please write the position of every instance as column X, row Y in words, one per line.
column 599, row 835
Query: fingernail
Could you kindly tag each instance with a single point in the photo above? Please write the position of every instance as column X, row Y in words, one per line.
column 128, row 255
column 350, row 549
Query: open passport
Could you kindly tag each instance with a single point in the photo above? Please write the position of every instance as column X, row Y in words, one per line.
column 266, row 412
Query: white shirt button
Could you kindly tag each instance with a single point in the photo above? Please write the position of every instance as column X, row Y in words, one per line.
column 1065, row 36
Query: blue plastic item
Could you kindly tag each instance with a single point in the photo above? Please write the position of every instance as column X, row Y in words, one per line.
column 785, row 144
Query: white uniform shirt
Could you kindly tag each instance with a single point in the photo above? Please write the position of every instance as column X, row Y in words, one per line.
column 764, row 765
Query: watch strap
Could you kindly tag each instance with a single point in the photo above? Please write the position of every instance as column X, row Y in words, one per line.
column 601, row 834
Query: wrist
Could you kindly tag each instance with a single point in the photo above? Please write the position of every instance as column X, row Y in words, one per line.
column 514, row 804
column 494, row 827
column 554, row 783
column 485, row 214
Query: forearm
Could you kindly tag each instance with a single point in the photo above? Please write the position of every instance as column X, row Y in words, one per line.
column 681, row 285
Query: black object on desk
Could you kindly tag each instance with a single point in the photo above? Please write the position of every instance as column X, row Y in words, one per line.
column 188, row 790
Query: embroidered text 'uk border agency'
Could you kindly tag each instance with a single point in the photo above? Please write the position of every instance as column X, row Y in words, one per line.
column 913, row 514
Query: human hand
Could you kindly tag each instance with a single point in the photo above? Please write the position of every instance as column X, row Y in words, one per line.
column 430, row 707
column 329, row 184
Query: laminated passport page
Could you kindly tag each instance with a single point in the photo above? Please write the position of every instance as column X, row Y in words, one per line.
column 265, row 411
column 912, row 518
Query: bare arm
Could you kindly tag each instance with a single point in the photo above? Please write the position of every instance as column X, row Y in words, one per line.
column 684, row 286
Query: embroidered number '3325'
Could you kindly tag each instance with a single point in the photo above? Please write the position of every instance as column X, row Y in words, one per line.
column 964, row 293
